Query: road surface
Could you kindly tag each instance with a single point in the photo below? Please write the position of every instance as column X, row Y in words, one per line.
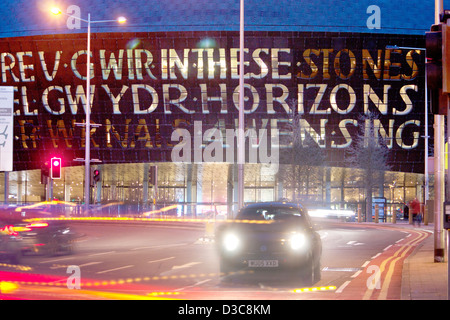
column 179, row 261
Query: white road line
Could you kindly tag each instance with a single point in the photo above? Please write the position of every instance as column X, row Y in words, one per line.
column 365, row 264
column 177, row 268
column 356, row 274
column 376, row 256
column 79, row 265
column 187, row 265
column 194, row 285
column 115, row 269
column 56, row 260
column 323, row 235
column 387, row 247
column 159, row 260
column 342, row 287
column 89, row 264
column 100, row 253
column 161, row 246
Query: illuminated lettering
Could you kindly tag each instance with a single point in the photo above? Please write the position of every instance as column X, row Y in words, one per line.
column 74, row 62
column 135, row 92
column 344, row 131
column 47, row 75
column 113, row 64
column 80, row 95
column 370, row 95
column 24, row 67
column 116, row 99
column 4, row 56
column 276, row 63
column 222, row 98
column 281, row 99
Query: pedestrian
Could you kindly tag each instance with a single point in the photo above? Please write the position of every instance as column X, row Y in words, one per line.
column 406, row 212
column 415, row 211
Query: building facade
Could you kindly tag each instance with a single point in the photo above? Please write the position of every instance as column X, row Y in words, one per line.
column 319, row 77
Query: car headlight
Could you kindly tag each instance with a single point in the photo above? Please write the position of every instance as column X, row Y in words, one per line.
column 297, row 241
column 231, row 242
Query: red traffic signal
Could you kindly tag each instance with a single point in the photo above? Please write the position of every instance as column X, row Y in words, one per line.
column 55, row 165
column 96, row 177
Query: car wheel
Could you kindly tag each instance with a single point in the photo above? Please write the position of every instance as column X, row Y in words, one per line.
column 16, row 255
column 70, row 248
column 311, row 272
column 225, row 268
column 51, row 248
column 16, row 258
column 317, row 272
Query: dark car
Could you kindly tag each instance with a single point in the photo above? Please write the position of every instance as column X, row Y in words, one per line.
column 34, row 234
column 47, row 237
column 271, row 236
column 10, row 243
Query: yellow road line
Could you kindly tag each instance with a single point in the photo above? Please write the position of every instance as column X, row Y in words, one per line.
column 388, row 278
column 399, row 254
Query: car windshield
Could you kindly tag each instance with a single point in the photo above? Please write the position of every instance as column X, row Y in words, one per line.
column 269, row 213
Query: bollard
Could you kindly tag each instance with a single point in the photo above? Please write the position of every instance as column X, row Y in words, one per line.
column 376, row 213
column 359, row 212
column 410, row 216
column 394, row 215
column 425, row 215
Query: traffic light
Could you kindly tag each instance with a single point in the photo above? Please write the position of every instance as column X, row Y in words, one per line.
column 96, row 175
column 153, row 175
column 45, row 172
column 437, row 42
column 55, row 165
column 433, row 43
column 445, row 58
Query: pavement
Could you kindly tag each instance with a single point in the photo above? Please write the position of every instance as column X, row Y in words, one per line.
column 422, row 278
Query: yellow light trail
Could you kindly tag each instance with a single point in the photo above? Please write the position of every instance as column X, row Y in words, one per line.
column 314, row 289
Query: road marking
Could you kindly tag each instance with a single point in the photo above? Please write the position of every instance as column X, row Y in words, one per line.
column 390, row 262
column 89, row 264
column 56, row 260
column 176, row 268
column 161, row 246
column 388, row 277
column 194, row 285
column 342, row 287
column 79, row 265
column 159, row 260
column 365, row 264
column 354, row 243
column 376, row 256
column 100, row 253
column 341, row 269
column 323, row 235
column 187, row 265
column 115, row 269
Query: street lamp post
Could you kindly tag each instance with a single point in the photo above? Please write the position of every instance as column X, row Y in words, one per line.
column 241, row 133
column 87, row 152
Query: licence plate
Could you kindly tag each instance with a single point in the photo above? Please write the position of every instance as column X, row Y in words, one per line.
column 262, row 263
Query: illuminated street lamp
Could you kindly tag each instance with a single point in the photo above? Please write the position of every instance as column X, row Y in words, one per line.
column 87, row 155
